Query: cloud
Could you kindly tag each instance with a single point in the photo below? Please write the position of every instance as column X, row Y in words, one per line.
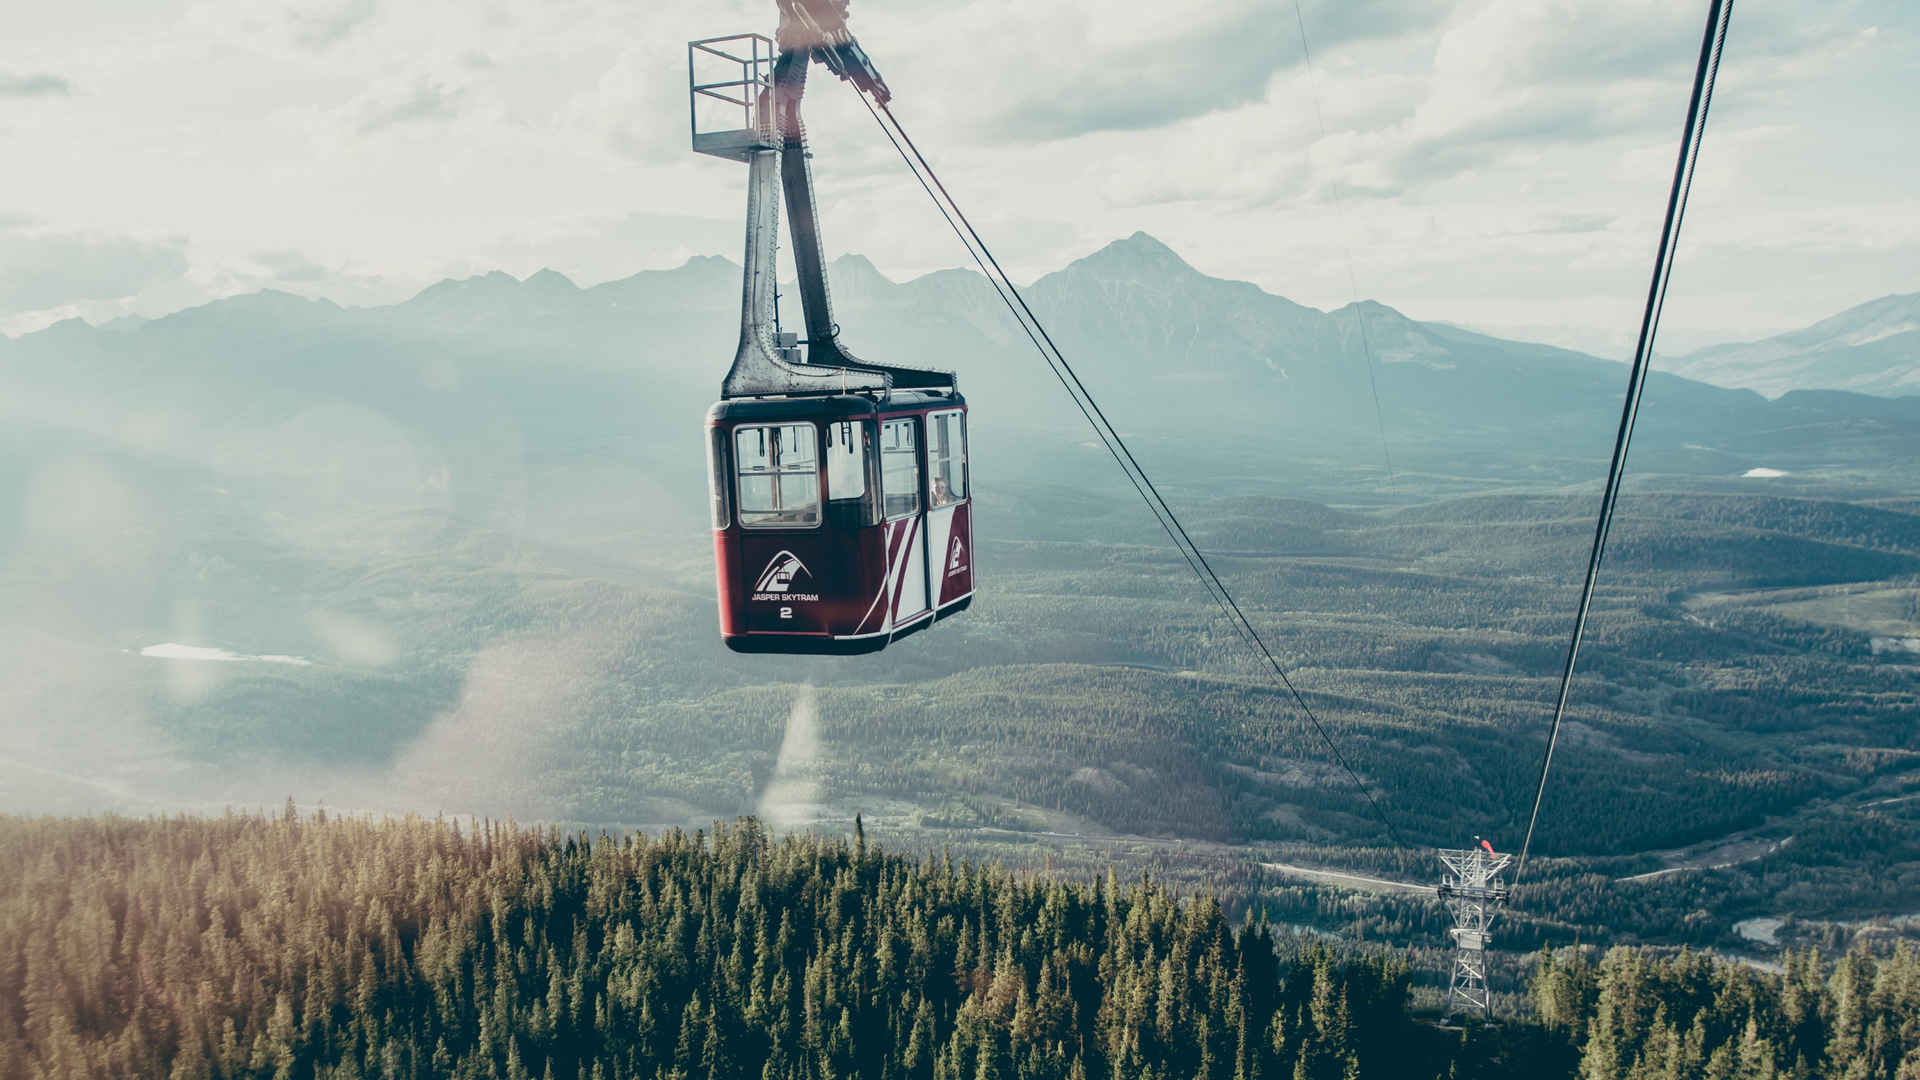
column 32, row 86
column 1521, row 73
column 1496, row 85
column 1569, row 224
column 291, row 266
column 422, row 100
column 1149, row 70
column 320, row 27
column 1154, row 82
column 638, row 108
column 41, row 270
column 1522, row 76
column 597, row 248
column 520, row 135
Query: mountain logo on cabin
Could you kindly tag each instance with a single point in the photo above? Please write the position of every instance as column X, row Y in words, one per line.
column 779, row 574
column 956, row 562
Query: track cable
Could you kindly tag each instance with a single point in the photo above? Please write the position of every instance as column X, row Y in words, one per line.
column 1719, row 17
column 1346, row 247
column 1116, row 446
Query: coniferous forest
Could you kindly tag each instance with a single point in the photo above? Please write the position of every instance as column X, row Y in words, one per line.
column 290, row 947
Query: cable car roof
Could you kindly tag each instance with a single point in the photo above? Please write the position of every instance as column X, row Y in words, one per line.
column 831, row 406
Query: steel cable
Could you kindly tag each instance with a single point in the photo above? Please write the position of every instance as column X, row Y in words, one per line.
column 1116, row 445
column 1719, row 16
column 1346, row 247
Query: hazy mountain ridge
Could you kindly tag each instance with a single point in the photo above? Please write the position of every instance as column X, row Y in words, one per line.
column 481, row 376
column 1870, row 349
column 1166, row 308
column 479, row 517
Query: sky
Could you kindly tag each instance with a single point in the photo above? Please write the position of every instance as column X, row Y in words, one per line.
column 1501, row 164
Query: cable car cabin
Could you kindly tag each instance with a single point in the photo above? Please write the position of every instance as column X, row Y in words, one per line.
column 841, row 523
column 841, row 518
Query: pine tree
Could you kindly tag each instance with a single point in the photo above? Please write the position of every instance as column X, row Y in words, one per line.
column 354, row 949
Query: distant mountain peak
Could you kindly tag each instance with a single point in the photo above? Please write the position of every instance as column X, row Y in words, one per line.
column 701, row 280
column 266, row 302
column 1863, row 324
column 851, row 267
column 1372, row 309
column 1137, row 252
column 1871, row 348
column 493, row 282
column 71, row 326
column 551, row 280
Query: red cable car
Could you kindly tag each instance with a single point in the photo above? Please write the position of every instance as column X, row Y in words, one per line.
column 842, row 510
column 841, row 523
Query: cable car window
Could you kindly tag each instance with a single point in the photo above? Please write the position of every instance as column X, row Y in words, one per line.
column 900, row 467
column 851, row 498
column 946, row 459
column 717, row 486
column 779, row 470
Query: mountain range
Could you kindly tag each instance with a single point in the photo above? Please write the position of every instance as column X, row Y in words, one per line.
column 1870, row 349
column 471, row 377
column 458, row 548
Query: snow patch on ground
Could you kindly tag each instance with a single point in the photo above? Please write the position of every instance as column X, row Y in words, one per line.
column 173, row 650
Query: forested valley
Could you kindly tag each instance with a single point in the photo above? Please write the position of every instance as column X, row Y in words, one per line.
column 471, row 596
column 246, row 945
column 1740, row 772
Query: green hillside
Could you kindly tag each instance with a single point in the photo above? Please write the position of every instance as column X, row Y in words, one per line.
column 242, row 946
column 450, row 556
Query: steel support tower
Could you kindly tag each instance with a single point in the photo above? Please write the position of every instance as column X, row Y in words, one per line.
column 1472, row 893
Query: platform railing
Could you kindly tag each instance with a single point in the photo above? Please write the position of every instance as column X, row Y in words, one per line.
column 752, row 57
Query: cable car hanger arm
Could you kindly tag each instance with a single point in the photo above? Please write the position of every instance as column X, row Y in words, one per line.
column 759, row 366
column 819, row 27
column 816, row 30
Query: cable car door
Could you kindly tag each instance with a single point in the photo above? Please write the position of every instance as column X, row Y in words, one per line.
column 792, row 560
column 906, row 542
column 949, row 532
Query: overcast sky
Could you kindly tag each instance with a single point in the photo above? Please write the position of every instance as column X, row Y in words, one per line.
column 1499, row 163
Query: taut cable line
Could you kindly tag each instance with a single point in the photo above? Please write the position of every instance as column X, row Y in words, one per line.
column 1109, row 436
column 1719, row 15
